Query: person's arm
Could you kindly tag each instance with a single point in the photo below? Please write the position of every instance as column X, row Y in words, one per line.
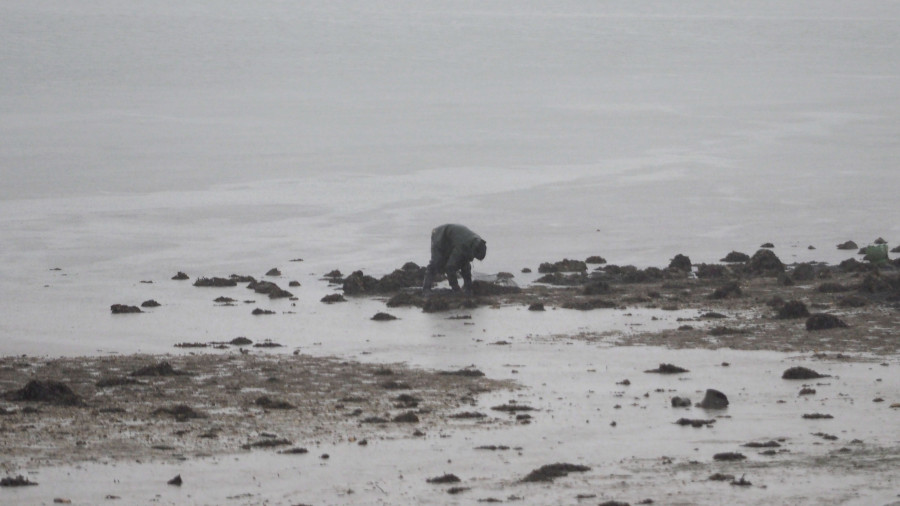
column 467, row 277
column 457, row 261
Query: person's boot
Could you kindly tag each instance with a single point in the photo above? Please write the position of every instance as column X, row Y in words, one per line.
column 426, row 285
column 467, row 285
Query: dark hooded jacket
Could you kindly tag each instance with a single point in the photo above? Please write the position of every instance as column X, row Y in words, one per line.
column 456, row 243
column 453, row 247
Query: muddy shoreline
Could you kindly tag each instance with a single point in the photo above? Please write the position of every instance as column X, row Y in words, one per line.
column 215, row 399
column 210, row 404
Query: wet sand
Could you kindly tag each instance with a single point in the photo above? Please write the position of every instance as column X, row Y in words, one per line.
column 269, row 425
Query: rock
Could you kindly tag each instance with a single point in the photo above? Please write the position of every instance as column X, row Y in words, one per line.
column 150, row 303
column 875, row 283
column 847, row 245
column 404, row 299
column 191, row 345
column 268, row 441
column 123, row 309
column 116, row 382
column 595, row 259
column 801, row 373
column 729, row 290
column 765, row 262
column 294, row 451
column 526, row 270
column 268, row 343
column 224, row 300
column 446, row 478
column 258, row 312
column 267, row 402
column 851, row 301
column 358, row 283
column 181, row 412
column 499, row 287
column 436, row 305
column 729, row 456
column 681, row 402
column 512, row 408
column 803, row 272
column 560, row 279
column 408, row 276
column 48, row 391
column 695, row 423
column 238, row 278
column 552, row 471
column 853, row 265
column 176, row 481
column 832, row 288
column 680, row 263
column 273, row 272
column 407, row 401
column 240, row 341
column 896, row 249
column 823, row 321
column 294, row 284
column 180, row 276
column 767, row 444
column 564, row 265
column 711, row 271
column 596, row 287
column 767, row 245
column 735, row 257
column 333, row 298
column 817, row 416
column 408, row 417
column 537, row 306
column 492, row 448
column 17, row 481
column 724, row 330
column 667, row 369
column 395, row 385
column 792, row 309
column 589, row 304
column 467, row 372
column 160, row 369
column 270, row 289
column 713, row 399
column 215, row 282
column 467, row 415
column 383, row 317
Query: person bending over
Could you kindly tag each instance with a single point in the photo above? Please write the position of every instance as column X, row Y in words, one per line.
column 453, row 247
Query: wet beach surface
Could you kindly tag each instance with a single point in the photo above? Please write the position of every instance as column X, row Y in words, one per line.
column 584, row 388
